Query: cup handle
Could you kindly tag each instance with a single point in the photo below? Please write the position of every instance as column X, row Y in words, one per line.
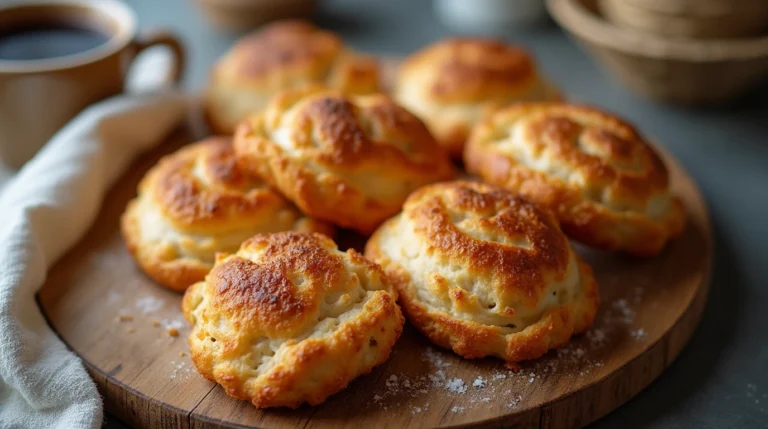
column 159, row 37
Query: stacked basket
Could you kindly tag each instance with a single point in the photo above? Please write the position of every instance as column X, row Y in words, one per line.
column 685, row 51
column 696, row 19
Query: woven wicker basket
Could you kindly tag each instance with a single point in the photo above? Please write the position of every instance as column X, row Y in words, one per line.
column 710, row 19
column 680, row 71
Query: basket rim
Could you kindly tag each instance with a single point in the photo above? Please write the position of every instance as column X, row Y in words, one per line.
column 574, row 17
column 698, row 8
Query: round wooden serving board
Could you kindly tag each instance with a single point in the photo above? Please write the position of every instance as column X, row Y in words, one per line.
column 120, row 323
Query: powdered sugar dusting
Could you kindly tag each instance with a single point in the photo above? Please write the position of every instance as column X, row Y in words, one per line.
column 456, row 385
column 180, row 370
column 438, row 378
column 596, row 336
column 515, row 401
column 149, row 304
column 442, row 373
column 172, row 324
column 479, row 382
column 411, row 390
column 435, row 359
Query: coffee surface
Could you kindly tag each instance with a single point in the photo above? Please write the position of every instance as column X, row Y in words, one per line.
column 38, row 43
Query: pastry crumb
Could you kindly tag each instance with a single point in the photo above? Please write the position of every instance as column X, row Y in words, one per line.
column 131, row 330
column 125, row 318
column 173, row 332
column 156, row 323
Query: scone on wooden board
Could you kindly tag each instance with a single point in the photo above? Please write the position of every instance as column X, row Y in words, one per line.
column 605, row 183
column 453, row 83
column 349, row 160
column 283, row 55
column 290, row 319
column 196, row 202
column 483, row 272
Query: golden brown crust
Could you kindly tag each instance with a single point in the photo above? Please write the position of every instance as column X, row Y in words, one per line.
column 607, row 186
column 344, row 159
column 196, row 202
column 453, row 83
column 290, row 319
column 484, row 272
column 283, row 55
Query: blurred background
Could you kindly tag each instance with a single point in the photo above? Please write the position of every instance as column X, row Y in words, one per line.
column 690, row 52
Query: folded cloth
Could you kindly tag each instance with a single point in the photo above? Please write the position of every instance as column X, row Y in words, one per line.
column 44, row 210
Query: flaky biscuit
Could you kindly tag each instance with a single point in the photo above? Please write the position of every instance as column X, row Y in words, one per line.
column 290, row 319
column 484, row 272
column 349, row 160
column 283, row 55
column 607, row 186
column 196, row 202
column 451, row 84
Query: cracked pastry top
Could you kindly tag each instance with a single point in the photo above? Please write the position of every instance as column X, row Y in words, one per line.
column 290, row 319
column 453, row 83
column 283, row 55
column 484, row 272
column 196, row 202
column 349, row 160
column 606, row 184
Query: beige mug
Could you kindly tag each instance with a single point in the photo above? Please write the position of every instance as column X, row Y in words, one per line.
column 38, row 96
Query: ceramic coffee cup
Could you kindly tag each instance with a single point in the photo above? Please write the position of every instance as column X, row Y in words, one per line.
column 38, row 96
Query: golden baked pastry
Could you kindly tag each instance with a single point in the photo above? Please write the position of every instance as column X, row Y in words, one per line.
column 290, row 319
column 350, row 160
column 196, row 202
column 484, row 272
column 451, row 84
column 607, row 186
column 284, row 55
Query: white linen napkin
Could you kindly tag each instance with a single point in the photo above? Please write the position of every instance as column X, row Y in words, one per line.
column 44, row 210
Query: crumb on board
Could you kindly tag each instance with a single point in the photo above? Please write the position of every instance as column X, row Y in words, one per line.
column 131, row 330
column 182, row 353
column 125, row 318
column 172, row 326
column 156, row 323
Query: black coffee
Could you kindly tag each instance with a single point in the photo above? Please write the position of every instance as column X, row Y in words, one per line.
column 37, row 43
